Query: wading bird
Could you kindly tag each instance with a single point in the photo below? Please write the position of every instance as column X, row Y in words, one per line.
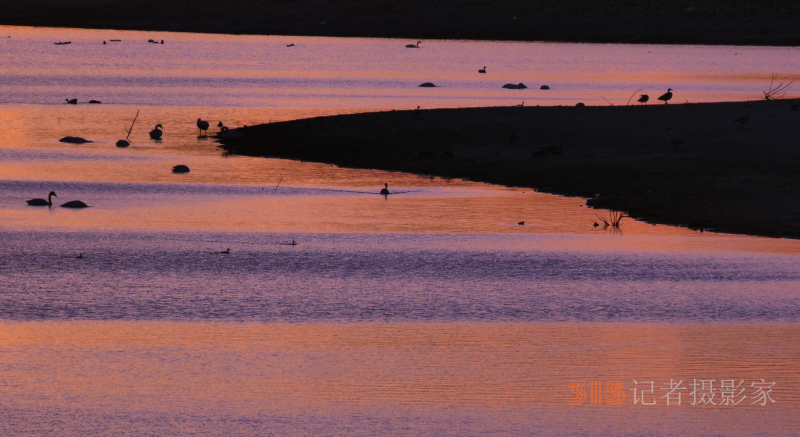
column 743, row 119
column 666, row 96
column 643, row 99
column 202, row 125
column 412, row 46
column 42, row 202
column 156, row 132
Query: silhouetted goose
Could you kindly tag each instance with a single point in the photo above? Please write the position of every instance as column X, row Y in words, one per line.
column 202, row 125
column 482, row 71
column 72, row 101
column 226, row 251
column 743, row 119
column 42, row 202
column 74, row 204
column 412, row 46
column 385, row 190
column 643, row 99
column 156, row 132
column 666, row 96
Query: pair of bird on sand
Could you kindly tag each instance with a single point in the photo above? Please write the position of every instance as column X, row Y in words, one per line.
column 666, row 97
column 49, row 202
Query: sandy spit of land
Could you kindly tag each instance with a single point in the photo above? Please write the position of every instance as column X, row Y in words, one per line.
column 735, row 22
column 711, row 175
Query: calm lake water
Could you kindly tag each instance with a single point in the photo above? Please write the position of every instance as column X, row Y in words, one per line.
column 430, row 312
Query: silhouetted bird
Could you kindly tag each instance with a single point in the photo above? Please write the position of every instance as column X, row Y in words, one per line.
column 482, row 71
column 220, row 124
column 226, row 251
column 412, row 46
column 202, row 126
column 521, row 223
column 743, row 119
column 156, row 132
column 42, row 202
column 385, row 190
column 74, row 204
column 72, row 101
column 666, row 96
column 643, row 99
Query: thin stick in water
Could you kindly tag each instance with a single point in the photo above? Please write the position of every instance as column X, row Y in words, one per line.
column 276, row 186
column 134, row 122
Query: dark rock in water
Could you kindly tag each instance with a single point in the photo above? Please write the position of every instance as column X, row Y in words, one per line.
column 544, row 87
column 580, row 105
column 74, row 140
column 180, row 169
column 123, row 143
column 95, row 101
column 511, row 86
column 428, row 85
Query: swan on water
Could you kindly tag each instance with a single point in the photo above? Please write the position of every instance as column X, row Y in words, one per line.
column 72, row 101
column 230, row 134
column 226, row 251
column 156, row 132
column 74, row 204
column 42, row 202
column 482, row 71
column 413, row 46
column 666, row 96
column 385, row 190
column 202, row 125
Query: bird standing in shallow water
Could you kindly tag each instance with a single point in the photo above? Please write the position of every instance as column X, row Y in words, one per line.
column 156, row 132
column 202, row 125
column 666, row 96
column 743, row 119
column 42, row 202
column 643, row 99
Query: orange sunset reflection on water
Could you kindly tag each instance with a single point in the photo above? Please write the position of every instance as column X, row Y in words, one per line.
column 428, row 312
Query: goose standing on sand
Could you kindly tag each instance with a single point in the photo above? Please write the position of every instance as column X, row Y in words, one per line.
column 643, row 99
column 482, row 71
column 385, row 190
column 156, row 132
column 42, row 202
column 743, row 119
column 666, row 96
column 74, row 204
column 202, row 125
column 412, row 46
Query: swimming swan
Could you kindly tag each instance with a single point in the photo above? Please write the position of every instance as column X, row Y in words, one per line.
column 42, row 202
column 74, row 204
column 156, row 132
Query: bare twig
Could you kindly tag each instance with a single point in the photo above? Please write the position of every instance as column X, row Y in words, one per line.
column 776, row 92
column 134, row 122
column 632, row 95
column 613, row 219
column 607, row 101
column 276, row 186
